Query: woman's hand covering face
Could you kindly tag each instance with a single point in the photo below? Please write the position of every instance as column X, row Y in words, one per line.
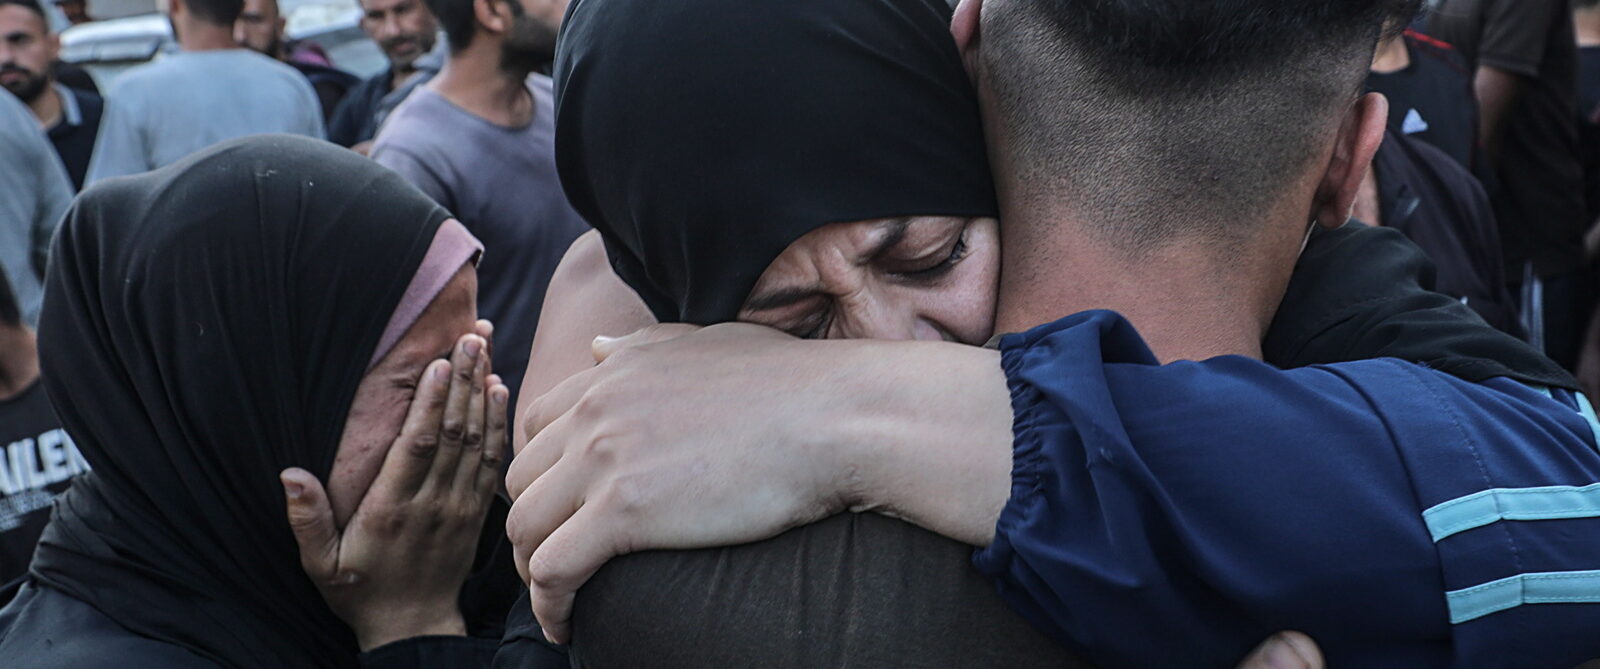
column 395, row 569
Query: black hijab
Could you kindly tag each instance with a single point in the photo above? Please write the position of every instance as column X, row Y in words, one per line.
column 702, row 137
column 205, row 326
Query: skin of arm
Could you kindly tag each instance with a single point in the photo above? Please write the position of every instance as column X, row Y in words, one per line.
column 585, row 300
column 1497, row 91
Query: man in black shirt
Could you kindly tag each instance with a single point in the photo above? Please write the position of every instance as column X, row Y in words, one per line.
column 1417, row 189
column 27, row 53
column 39, row 459
column 406, row 31
column 1525, row 77
column 1429, row 87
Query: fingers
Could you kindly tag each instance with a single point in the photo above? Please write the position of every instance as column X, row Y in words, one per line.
column 1285, row 650
column 461, row 426
column 531, row 461
column 535, row 515
column 311, row 520
column 411, row 456
column 561, row 565
column 604, row 347
column 497, row 434
column 484, row 328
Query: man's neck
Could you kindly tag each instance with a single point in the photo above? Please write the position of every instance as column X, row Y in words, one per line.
column 1189, row 302
column 19, row 360
column 1391, row 56
column 473, row 79
column 196, row 35
column 47, row 107
column 1587, row 25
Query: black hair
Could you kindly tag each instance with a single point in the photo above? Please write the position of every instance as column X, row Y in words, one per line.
column 32, row 6
column 1154, row 114
column 1585, row 4
column 216, row 12
column 10, row 312
column 457, row 20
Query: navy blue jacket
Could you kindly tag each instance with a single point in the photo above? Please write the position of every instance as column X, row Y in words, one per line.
column 1400, row 516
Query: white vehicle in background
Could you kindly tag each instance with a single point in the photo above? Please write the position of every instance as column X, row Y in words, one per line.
column 108, row 48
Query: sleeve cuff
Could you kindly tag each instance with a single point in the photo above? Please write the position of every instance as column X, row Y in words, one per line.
column 1027, row 463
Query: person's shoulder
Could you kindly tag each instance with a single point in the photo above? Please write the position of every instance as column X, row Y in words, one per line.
column 1437, row 51
column 48, row 629
column 415, row 126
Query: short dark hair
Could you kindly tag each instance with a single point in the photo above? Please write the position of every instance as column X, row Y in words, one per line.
column 216, row 12
column 457, row 20
column 10, row 312
column 32, row 6
column 1152, row 114
column 1585, row 4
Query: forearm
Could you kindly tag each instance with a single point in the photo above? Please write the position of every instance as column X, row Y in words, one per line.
column 933, row 445
column 1497, row 91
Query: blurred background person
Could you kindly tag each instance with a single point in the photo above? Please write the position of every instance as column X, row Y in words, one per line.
column 39, row 460
column 408, row 33
column 260, row 28
column 480, row 140
column 75, row 11
column 1429, row 87
column 212, row 90
column 34, row 192
column 1525, row 63
column 70, row 116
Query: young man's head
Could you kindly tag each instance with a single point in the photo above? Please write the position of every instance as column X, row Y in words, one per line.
column 524, row 29
column 209, row 13
column 404, row 29
column 27, row 49
column 260, row 27
column 1149, row 123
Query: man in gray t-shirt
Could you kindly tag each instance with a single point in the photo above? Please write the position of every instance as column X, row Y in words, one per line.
column 210, row 92
column 479, row 138
column 34, row 193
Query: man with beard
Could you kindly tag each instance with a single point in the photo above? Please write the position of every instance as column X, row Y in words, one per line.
column 70, row 116
column 260, row 29
column 406, row 31
column 480, row 140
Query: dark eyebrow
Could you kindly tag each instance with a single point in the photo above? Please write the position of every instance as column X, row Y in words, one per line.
column 896, row 232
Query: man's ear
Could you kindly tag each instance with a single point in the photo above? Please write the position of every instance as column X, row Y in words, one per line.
column 491, row 16
column 1359, row 138
column 965, row 23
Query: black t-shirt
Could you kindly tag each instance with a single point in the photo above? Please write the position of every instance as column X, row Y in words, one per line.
column 1432, row 98
column 1442, row 208
column 1589, row 125
column 73, row 136
column 38, row 463
column 1540, row 203
column 355, row 119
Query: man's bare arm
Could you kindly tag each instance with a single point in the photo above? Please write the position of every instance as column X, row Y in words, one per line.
column 1497, row 92
column 585, row 300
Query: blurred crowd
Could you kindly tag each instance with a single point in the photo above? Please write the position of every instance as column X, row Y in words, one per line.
column 315, row 394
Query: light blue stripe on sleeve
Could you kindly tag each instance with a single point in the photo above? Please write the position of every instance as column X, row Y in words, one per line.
column 1587, row 409
column 1497, row 504
column 1556, row 587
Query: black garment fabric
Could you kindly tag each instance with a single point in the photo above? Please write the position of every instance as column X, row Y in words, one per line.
column 355, row 119
column 1539, row 202
column 1589, row 127
column 38, row 463
column 1360, row 292
column 1432, row 99
column 1438, row 205
column 74, row 142
column 205, row 326
column 73, row 76
column 702, row 138
column 331, row 84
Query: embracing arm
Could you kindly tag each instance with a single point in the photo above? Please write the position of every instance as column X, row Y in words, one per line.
column 585, row 300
